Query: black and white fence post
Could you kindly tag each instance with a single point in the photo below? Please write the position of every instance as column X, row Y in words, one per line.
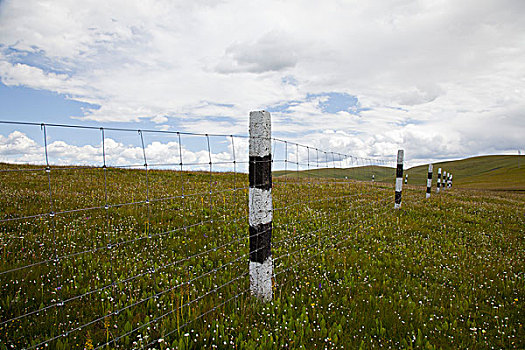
column 260, row 205
column 406, row 179
column 450, row 181
column 429, row 180
column 399, row 178
column 444, row 180
column 438, row 181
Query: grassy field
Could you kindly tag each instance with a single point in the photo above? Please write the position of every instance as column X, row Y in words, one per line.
column 499, row 173
column 362, row 173
column 486, row 172
column 164, row 265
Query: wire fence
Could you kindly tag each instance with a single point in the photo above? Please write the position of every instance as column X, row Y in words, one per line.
column 122, row 238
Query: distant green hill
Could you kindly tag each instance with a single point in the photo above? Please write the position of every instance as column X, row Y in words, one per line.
column 364, row 173
column 484, row 172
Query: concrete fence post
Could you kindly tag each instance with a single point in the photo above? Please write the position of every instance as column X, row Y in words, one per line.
column 260, row 205
column 399, row 178
column 429, row 180
column 438, row 181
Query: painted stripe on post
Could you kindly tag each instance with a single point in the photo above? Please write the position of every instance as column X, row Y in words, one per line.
column 260, row 205
column 439, row 180
column 429, row 180
column 399, row 179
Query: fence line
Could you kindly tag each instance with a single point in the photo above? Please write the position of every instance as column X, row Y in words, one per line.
column 125, row 237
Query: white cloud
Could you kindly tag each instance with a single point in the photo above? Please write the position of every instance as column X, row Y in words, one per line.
column 448, row 72
column 26, row 75
column 274, row 51
column 159, row 119
column 18, row 148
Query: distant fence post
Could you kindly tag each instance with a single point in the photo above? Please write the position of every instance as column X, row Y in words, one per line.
column 439, row 180
column 444, row 180
column 260, row 205
column 450, row 182
column 429, row 180
column 399, row 178
column 406, row 179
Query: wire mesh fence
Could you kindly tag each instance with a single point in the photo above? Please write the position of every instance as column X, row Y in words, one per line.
column 122, row 238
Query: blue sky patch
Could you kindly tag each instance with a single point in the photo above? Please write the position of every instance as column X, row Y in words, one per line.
column 338, row 102
column 26, row 104
column 289, row 80
column 333, row 102
column 36, row 58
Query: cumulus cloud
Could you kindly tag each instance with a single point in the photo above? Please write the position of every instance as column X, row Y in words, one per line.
column 26, row 75
column 19, row 148
column 422, row 71
column 273, row 51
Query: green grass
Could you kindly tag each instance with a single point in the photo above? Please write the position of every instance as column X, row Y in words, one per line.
column 362, row 173
column 500, row 173
column 485, row 172
column 351, row 272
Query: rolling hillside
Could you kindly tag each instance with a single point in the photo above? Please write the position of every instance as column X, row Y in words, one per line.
column 364, row 173
column 484, row 172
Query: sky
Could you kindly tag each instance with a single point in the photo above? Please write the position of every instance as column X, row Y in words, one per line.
column 441, row 79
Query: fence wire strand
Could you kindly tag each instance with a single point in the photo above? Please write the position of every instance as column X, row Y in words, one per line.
column 319, row 196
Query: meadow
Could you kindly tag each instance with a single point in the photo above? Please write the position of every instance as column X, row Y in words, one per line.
column 497, row 173
column 111, row 258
